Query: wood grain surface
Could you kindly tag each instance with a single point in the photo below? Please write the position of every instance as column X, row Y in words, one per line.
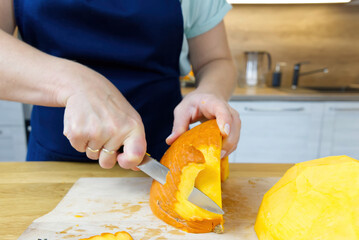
column 29, row 190
column 327, row 35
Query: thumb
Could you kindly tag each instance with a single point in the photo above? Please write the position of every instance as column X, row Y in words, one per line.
column 134, row 149
column 180, row 125
column 224, row 118
column 224, row 126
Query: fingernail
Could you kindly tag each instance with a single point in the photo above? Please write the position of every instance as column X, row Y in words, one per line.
column 171, row 135
column 223, row 152
column 227, row 128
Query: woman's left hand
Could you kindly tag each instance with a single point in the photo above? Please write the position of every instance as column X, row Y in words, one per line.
column 199, row 106
column 216, row 75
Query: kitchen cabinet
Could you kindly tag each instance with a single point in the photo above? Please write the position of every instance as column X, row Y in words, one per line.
column 12, row 132
column 275, row 132
column 340, row 129
column 11, row 113
column 272, row 131
column 12, row 143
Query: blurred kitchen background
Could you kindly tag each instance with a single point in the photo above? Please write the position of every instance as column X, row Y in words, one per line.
column 298, row 84
column 327, row 35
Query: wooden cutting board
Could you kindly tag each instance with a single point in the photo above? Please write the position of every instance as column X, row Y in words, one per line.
column 97, row 205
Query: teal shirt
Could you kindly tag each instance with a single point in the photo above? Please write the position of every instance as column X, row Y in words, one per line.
column 199, row 16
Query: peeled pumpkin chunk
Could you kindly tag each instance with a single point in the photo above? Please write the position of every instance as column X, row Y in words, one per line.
column 193, row 160
column 318, row 199
column 109, row 236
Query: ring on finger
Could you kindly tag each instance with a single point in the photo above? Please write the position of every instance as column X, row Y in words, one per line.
column 93, row 150
column 108, row 151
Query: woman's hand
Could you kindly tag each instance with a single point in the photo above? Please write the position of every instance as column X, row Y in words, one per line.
column 199, row 105
column 97, row 116
column 216, row 76
column 98, row 120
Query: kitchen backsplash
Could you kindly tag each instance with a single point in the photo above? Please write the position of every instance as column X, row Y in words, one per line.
column 326, row 35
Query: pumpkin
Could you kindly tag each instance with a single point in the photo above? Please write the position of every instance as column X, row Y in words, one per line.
column 224, row 169
column 318, row 199
column 109, row 236
column 193, row 160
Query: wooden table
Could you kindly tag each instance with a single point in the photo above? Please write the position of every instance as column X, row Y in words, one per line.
column 29, row 190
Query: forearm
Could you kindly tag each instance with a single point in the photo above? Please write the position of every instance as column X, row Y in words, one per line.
column 212, row 63
column 29, row 75
column 218, row 77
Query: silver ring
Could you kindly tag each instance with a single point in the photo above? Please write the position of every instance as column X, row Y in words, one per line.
column 93, row 150
column 108, row 151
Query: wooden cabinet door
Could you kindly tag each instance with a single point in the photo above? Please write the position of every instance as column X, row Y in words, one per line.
column 340, row 134
column 278, row 132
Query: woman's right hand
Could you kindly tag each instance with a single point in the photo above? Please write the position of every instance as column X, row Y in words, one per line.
column 96, row 114
column 99, row 120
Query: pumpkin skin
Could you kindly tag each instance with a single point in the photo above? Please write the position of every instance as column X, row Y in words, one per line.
column 317, row 199
column 193, row 160
column 109, row 236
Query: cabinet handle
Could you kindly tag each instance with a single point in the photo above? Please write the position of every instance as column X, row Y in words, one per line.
column 298, row 109
column 344, row 109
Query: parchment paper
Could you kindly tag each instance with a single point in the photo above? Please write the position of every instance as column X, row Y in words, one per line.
column 97, row 205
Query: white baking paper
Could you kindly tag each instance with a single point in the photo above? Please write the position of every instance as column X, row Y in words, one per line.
column 97, row 205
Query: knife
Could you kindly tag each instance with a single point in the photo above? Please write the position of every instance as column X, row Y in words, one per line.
column 158, row 172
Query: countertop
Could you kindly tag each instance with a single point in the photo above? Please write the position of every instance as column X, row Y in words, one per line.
column 29, row 190
column 286, row 94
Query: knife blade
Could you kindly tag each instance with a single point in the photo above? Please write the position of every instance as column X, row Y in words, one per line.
column 158, row 172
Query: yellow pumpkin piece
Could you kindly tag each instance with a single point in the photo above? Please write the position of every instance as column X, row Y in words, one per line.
column 318, row 199
column 109, row 236
column 193, row 160
column 224, row 169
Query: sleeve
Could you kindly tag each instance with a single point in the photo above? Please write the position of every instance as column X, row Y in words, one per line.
column 201, row 16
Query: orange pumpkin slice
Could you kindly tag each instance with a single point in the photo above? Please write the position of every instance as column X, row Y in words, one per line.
column 109, row 236
column 193, row 160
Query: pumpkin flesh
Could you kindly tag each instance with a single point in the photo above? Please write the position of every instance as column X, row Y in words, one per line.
column 224, row 169
column 317, row 199
column 109, row 236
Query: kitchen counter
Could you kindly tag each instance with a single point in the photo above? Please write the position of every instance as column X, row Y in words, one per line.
column 286, row 94
column 29, row 190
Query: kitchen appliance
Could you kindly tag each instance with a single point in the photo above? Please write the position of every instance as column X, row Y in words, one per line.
column 256, row 68
column 158, row 172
